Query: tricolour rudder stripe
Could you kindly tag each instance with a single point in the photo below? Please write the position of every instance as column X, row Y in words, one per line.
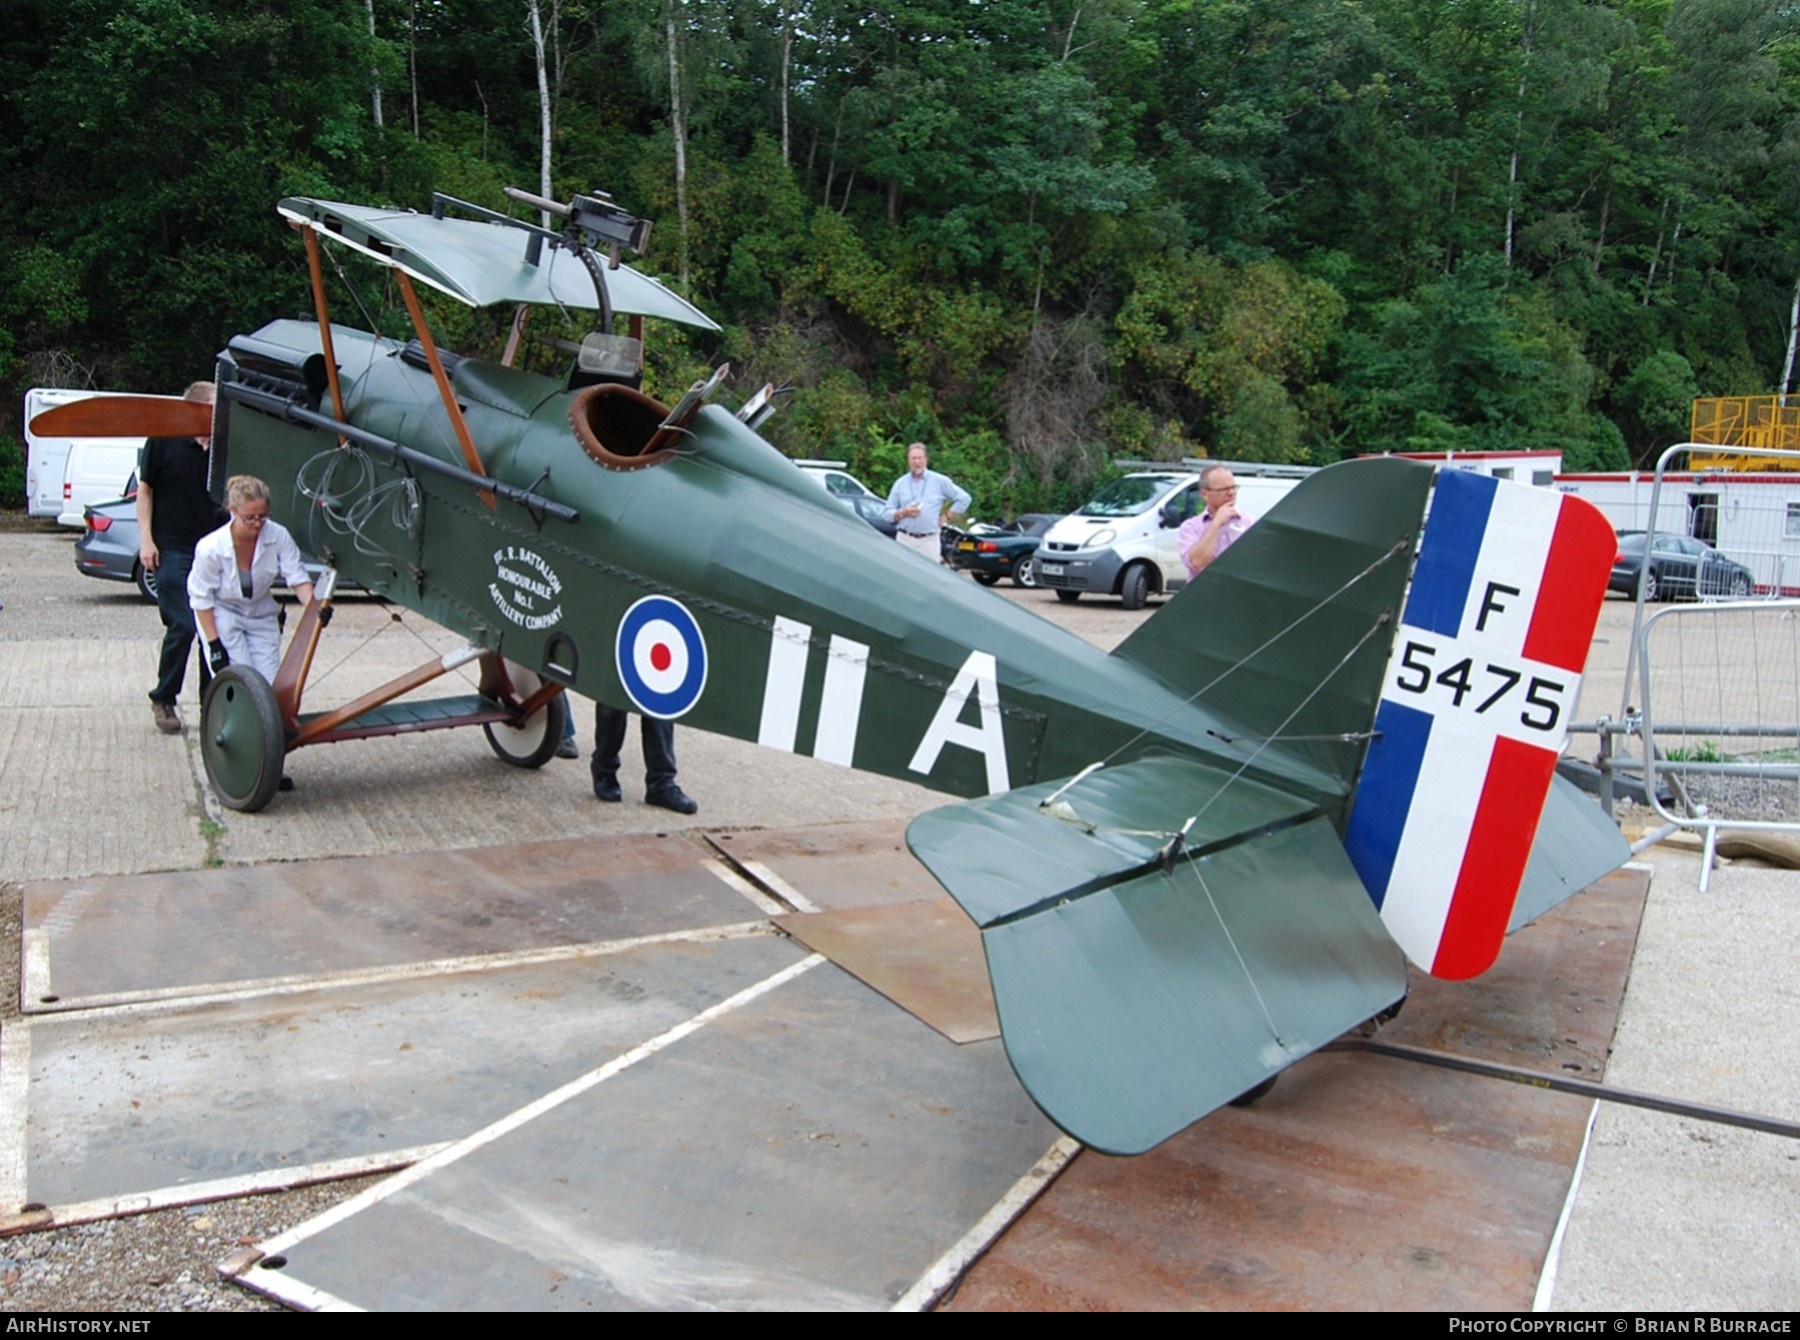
column 1505, row 822
column 1475, row 706
column 1581, row 555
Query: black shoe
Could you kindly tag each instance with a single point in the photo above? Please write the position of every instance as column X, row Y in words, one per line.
column 672, row 797
column 608, row 790
column 567, row 749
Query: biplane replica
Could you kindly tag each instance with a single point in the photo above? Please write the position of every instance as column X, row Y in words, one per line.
column 1193, row 860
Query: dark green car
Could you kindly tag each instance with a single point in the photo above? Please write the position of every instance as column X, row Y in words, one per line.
column 989, row 553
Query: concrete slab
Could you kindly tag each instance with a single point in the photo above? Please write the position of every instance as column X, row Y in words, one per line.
column 813, row 1148
column 1676, row 1214
column 71, row 770
column 115, row 938
column 129, row 1101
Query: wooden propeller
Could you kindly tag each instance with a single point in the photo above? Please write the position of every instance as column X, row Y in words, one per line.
column 126, row 416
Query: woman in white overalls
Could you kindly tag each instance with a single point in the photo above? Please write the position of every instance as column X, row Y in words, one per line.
column 228, row 586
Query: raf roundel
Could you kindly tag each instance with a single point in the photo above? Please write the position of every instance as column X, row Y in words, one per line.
column 661, row 657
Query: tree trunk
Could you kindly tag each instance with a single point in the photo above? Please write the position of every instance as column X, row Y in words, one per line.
column 1662, row 229
column 412, row 70
column 1787, row 368
column 1512, row 172
column 543, row 84
column 678, row 125
column 787, row 57
column 374, row 70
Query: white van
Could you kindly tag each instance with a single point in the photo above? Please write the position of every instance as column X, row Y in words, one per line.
column 96, row 470
column 47, row 460
column 1122, row 542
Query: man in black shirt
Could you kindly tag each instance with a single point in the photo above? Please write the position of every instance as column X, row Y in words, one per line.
column 174, row 513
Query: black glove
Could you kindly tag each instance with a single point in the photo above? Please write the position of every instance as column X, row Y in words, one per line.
column 325, row 616
column 216, row 655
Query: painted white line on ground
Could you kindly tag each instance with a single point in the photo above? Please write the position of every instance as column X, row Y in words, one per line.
column 531, row 1111
column 34, row 968
column 165, row 999
column 797, row 900
column 949, row 1267
column 15, row 1089
column 762, row 900
column 230, row 1188
column 1546, row 1285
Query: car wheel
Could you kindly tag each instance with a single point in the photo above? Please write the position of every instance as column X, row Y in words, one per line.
column 1067, row 597
column 1649, row 585
column 1740, row 586
column 1134, row 587
column 986, row 578
column 242, row 742
column 146, row 581
column 1025, row 573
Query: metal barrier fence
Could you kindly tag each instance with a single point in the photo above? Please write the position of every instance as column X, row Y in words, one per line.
column 1719, row 680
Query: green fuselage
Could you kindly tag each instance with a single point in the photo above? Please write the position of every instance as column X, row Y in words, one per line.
column 820, row 636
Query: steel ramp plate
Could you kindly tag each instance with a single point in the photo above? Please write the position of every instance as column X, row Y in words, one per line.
column 124, row 937
column 144, row 1098
column 925, row 957
column 835, row 865
column 812, row 1148
column 1362, row 1182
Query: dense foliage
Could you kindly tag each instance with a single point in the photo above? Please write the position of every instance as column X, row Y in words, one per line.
column 1037, row 233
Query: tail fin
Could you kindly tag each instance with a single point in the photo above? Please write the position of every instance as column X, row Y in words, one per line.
column 1286, row 627
column 1475, row 708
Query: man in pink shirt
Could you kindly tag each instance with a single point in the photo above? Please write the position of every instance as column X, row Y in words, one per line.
column 1203, row 538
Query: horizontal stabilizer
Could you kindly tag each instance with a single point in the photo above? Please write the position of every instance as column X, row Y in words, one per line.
column 1576, row 844
column 126, row 416
column 1136, row 992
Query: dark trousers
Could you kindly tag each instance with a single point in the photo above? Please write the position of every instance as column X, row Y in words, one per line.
column 657, row 737
column 178, row 629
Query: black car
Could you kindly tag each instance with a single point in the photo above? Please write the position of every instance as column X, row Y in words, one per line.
column 870, row 509
column 988, row 553
column 1681, row 568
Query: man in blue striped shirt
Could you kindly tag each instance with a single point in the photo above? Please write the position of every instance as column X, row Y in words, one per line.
column 920, row 502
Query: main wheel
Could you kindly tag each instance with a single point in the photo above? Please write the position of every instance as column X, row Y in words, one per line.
column 1649, row 586
column 985, row 578
column 1740, row 587
column 532, row 743
column 1067, row 597
column 1134, row 587
column 1250, row 1095
column 1025, row 572
column 241, row 740
column 146, row 581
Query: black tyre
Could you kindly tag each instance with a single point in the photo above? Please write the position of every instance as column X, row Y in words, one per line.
column 1134, row 587
column 1250, row 1095
column 146, row 581
column 1740, row 587
column 1025, row 573
column 985, row 578
column 1649, row 585
column 241, row 739
column 532, row 743
column 1067, row 597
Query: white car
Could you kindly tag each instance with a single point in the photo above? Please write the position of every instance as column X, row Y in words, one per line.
column 837, row 480
column 1122, row 542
